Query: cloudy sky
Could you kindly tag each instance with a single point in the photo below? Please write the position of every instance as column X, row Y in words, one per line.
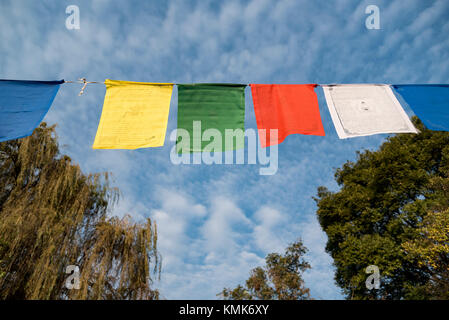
column 216, row 222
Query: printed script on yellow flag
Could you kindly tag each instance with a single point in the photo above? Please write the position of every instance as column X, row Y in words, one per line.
column 134, row 115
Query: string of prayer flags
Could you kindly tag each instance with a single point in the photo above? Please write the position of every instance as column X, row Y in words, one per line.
column 430, row 103
column 207, row 114
column 365, row 109
column 135, row 115
column 23, row 105
column 211, row 116
column 288, row 108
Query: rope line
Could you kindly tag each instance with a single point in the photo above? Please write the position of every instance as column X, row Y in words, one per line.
column 84, row 82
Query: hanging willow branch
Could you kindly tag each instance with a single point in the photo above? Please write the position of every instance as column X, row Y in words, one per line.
column 52, row 216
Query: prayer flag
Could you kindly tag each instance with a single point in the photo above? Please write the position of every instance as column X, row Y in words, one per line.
column 366, row 109
column 430, row 103
column 289, row 108
column 207, row 114
column 23, row 105
column 134, row 115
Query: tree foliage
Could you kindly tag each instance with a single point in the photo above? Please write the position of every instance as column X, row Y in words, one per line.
column 431, row 247
column 280, row 279
column 383, row 201
column 52, row 216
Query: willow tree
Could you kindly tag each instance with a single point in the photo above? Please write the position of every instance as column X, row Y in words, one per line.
column 53, row 216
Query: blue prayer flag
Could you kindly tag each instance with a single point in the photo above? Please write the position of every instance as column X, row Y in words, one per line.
column 430, row 102
column 23, row 105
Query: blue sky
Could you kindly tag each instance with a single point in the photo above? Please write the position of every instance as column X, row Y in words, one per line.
column 217, row 222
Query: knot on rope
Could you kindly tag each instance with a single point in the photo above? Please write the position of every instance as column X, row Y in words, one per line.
column 83, row 80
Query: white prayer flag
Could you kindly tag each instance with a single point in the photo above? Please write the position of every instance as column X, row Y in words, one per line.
column 366, row 109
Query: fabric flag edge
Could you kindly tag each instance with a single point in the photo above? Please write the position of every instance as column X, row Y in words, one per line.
column 56, row 83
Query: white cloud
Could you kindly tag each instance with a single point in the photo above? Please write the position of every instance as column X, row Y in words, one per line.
column 213, row 252
column 269, row 233
column 321, row 275
column 219, row 229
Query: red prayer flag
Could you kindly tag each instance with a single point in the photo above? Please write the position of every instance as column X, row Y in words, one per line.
column 289, row 108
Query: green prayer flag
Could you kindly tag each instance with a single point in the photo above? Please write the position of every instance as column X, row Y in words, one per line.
column 211, row 117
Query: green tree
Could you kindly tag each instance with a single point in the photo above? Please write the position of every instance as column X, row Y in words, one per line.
column 280, row 279
column 52, row 216
column 383, row 198
column 431, row 247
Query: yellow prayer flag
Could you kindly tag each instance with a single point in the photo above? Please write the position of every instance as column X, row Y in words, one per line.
column 134, row 115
